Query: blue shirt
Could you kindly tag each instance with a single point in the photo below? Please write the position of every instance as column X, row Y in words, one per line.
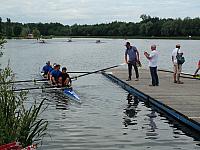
column 50, row 69
column 47, row 69
column 56, row 74
column 131, row 53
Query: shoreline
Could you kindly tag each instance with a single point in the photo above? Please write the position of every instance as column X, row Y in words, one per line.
column 118, row 37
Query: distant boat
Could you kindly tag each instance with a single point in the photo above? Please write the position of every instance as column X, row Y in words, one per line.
column 41, row 41
column 69, row 40
column 98, row 41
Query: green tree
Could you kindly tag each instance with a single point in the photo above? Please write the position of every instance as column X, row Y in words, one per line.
column 142, row 29
column 0, row 25
column 123, row 30
column 17, row 29
column 148, row 26
column 36, row 33
column 167, row 28
column 145, row 18
column 2, row 41
column 8, row 29
column 25, row 31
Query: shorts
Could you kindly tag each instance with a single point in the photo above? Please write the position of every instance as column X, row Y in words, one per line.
column 177, row 68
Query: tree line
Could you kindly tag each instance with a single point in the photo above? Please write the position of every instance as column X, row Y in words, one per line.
column 147, row 27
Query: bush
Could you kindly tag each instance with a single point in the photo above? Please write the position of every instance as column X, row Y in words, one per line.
column 17, row 122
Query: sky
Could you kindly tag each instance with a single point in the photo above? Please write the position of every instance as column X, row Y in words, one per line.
column 69, row 12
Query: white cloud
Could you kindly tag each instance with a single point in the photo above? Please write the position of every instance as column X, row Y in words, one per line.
column 95, row 11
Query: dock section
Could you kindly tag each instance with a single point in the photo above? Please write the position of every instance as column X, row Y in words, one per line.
column 180, row 101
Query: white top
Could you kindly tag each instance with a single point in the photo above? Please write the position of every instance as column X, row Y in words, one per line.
column 153, row 61
column 174, row 53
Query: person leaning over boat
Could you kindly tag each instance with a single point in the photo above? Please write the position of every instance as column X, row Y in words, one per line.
column 46, row 69
column 177, row 67
column 66, row 80
column 133, row 54
column 153, row 63
column 56, row 75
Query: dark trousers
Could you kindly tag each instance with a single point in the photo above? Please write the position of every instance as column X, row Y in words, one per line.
column 154, row 76
column 130, row 69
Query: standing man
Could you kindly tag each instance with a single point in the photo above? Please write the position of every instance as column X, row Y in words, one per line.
column 177, row 67
column 133, row 59
column 153, row 63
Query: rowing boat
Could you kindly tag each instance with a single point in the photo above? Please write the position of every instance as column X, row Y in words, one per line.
column 67, row 91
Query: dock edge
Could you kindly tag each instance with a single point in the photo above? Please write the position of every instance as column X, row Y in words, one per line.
column 155, row 103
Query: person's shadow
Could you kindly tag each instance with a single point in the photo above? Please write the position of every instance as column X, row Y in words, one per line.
column 130, row 110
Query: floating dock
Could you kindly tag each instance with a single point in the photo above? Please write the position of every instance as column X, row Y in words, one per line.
column 179, row 101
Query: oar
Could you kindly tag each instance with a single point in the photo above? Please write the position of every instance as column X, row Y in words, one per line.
column 34, row 80
column 97, row 71
column 187, row 74
column 173, row 72
column 78, row 71
column 85, row 73
column 37, row 88
column 40, row 80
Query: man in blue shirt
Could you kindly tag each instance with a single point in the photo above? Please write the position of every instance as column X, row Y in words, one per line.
column 46, row 69
column 56, row 76
column 132, row 60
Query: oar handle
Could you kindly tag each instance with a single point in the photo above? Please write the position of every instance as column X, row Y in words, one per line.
column 183, row 75
column 38, row 88
column 173, row 72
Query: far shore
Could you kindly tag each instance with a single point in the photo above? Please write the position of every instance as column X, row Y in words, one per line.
column 119, row 37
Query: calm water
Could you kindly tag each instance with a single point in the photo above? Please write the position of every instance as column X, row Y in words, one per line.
column 105, row 119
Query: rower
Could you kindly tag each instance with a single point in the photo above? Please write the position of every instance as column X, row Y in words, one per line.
column 56, row 75
column 66, row 80
column 46, row 69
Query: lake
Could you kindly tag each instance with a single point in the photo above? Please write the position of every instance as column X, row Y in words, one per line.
column 105, row 119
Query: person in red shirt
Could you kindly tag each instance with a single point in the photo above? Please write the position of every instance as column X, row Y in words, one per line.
column 198, row 68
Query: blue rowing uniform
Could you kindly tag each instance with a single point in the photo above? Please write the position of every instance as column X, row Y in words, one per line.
column 56, row 74
column 47, row 69
column 50, row 69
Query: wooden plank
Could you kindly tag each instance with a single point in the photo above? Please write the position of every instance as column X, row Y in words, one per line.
column 184, row 98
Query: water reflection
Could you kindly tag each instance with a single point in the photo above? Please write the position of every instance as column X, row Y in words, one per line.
column 151, row 129
column 130, row 110
column 152, row 123
column 57, row 98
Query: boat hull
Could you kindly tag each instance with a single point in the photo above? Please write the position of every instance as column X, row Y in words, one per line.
column 68, row 92
column 71, row 94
